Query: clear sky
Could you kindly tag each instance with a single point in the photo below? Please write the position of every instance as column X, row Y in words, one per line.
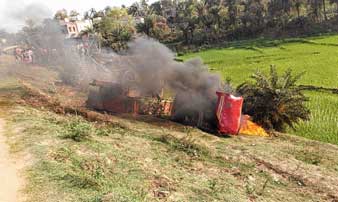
column 14, row 12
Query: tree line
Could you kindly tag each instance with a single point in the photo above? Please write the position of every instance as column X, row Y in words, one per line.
column 199, row 22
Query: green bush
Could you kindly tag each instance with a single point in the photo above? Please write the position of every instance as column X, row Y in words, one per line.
column 78, row 130
column 274, row 101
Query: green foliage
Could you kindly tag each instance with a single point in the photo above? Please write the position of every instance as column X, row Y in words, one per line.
column 115, row 29
column 209, row 22
column 147, row 26
column 274, row 101
column 78, row 130
column 154, row 26
column 61, row 14
column 324, row 119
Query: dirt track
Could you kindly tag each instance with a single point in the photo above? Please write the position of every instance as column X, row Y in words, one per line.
column 10, row 182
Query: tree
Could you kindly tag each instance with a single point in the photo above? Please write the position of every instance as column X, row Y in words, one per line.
column 279, row 13
column 156, row 8
column 297, row 4
column 334, row 2
column 107, row 9
column 274, row 101
column 115, row 29
column 144, row 6
column 74, row 13
column 279, row 7
column 61, row 14
column 88, row 31
column 253, row 16
column 187, row 19
column 232, row 12
column 324, row 9
column 314, row 9
column 147, row 26
column 91, row 14
column 139, row 8
column 134, row 9
column 211, row 14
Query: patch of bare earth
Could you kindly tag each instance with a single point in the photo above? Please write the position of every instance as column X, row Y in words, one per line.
column 10, row 181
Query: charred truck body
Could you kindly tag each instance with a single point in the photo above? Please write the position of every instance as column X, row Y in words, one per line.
column 117, row 99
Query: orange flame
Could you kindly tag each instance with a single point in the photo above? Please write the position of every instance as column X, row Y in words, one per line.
column 250, row 128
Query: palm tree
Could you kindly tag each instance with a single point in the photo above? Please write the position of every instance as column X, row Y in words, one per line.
column 134, row 9
column 156, row 8
column 88, row 31
column 274, row 101
column 61, row 14
column 147, row 26
column 324, row 9
column 74, row 13
column 298, row 4
column 232, row 11
column 334, row 2
column 107, row 9
column 315, row 7
column 91, row 14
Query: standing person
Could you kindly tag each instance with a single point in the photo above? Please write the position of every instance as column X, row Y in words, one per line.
column 18, row 53
column 30, row 56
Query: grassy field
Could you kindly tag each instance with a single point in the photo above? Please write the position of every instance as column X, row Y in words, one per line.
column 324, row 118
column 316, row 56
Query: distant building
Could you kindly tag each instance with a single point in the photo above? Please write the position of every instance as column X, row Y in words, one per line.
column 73, row 27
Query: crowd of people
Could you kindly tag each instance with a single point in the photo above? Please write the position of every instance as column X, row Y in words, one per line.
column 24, row 55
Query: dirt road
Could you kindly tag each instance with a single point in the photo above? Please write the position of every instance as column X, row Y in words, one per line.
column 9, row 184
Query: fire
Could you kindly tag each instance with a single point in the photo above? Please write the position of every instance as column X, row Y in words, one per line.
column 250, row 128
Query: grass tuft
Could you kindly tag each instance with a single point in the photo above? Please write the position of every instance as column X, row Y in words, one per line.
column 78, row 130
column 186, row 144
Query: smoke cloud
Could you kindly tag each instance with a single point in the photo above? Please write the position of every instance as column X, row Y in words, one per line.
column 154, row 66
column 15, row 13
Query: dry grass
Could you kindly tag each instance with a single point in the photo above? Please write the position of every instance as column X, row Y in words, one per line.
column 157, row 164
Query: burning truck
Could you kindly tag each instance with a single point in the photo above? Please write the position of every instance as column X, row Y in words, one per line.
column 148, row 80
column 223, row 116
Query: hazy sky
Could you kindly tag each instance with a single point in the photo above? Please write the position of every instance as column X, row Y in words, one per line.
column 14, row 12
